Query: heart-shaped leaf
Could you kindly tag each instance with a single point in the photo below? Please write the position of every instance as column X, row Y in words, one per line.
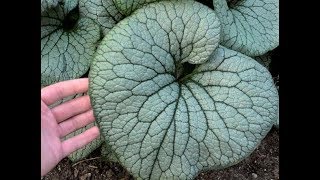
column 249, row 26
column 67, row 45
column 166, row 122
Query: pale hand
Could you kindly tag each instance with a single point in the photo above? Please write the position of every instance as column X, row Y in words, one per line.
column 62, row 120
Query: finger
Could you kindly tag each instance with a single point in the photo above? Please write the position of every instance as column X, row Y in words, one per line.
column 75, row 123
column 71, row 108
column 45, row 111
column 60, row 90
column 72, row 144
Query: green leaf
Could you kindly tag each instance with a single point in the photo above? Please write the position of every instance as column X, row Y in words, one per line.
column 163, row 129
column 104, row 12
column 126, row 7
column 162, row 125
column 47, row 4
column 249, row 26
column 67, row 45
column 70, row 5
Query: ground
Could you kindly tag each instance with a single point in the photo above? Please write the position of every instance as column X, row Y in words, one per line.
column 262, row 164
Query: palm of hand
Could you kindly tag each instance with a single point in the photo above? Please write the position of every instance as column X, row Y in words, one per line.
column 62, row 120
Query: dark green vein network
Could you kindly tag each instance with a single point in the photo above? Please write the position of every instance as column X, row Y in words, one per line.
column 162, row 126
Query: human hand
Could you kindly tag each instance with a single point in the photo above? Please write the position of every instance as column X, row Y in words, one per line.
column 62, row 120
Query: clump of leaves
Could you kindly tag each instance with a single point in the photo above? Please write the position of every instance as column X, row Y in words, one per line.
column 174, row 85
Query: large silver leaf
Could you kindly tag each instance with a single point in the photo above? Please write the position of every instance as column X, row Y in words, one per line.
column 249, row 26
column 164, row 124
column 66, row 52
column 104, row 12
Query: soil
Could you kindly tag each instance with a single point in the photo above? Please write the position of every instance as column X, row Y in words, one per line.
column 262, row 164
